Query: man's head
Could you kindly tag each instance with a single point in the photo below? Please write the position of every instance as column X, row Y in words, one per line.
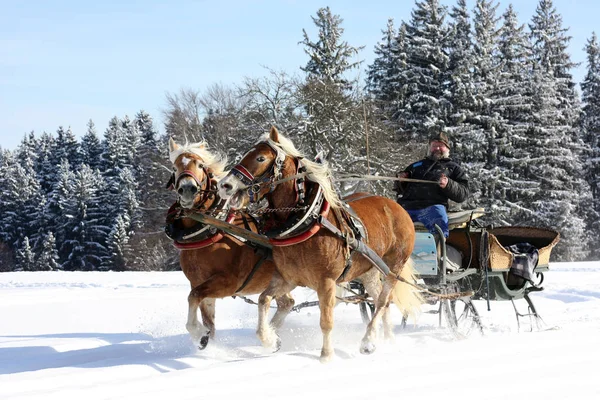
column 439, row 146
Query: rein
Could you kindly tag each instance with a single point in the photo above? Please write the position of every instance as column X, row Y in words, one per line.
column 342, row 178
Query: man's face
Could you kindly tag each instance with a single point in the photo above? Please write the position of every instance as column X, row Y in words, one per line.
column 438, row 149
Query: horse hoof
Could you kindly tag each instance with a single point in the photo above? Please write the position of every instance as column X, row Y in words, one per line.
column 325, row 358
column 277, row 345
column 203, row 342
column 367, row 348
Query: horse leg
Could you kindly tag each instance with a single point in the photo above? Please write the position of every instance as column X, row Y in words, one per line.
column 367, row 345
column 326, row 293
column 207, row 310
column 203, row 296
column 284, row 306
column 265, row 331
column 193, row 325
column 372, row 283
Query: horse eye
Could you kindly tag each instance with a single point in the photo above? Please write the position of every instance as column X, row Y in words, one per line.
column 260, row 159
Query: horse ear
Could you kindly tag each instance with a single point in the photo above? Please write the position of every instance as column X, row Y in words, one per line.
column 274, row 134
column 172, row 145
column 320, row 157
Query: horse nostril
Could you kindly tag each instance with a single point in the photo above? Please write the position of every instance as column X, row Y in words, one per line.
column 227, row 186
column 180, row 191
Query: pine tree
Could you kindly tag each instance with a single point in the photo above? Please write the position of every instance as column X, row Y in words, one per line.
column 25, row 257
column 48, row 256
column 384, row 79
column 57, row 200
column 461, row 88
column 85, row 234
column 118, row 245
column 426, row 107
column 590, row 122
column 91, row 148
column 333, row 117
column 562, row 194
column 46, row 170
column 67, row 147
column 514, row 103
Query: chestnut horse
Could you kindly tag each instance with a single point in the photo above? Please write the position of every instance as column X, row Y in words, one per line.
column 221, row 268
column 319, row 262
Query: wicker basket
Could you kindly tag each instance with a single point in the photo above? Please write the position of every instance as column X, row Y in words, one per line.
column 501, row 258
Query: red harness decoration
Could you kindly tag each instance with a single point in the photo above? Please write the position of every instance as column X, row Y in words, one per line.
column 306, row 235
column 205, row 242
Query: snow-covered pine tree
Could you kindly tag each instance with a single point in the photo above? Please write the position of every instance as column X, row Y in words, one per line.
column 384, row 79
column 91, row 148
column 25, row 257
column 55, row 206
column 48, row 255
column 514, row 104
column 132, row 142
column 20, row 197
column 426, row 107
column 46, row 170
column 554, row 142
column 128, row 204
column 152, row 177
column 461, row 88
column 118, row 245
column 83, row 246
column 66, row 146
column 8, row 199
column 590, row 122
column 333, row 116
column 482, row 143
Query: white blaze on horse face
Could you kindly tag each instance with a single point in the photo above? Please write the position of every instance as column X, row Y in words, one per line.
column 231, row 188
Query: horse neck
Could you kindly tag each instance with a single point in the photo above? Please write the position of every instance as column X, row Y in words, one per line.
column 284, row 194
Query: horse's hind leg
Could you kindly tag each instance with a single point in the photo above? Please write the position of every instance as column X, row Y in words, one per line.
column 284, row 306
column 373, row 285
column 326, row 293
column 367, row 345
column 265, row 331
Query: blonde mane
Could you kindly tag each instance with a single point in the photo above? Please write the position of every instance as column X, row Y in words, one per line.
column 318, row 173
column 212, row 161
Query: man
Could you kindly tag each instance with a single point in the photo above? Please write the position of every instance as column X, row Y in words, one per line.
column 428, row 202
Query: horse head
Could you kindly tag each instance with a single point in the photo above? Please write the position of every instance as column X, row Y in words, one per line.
column 194, row 170
column 258, row 175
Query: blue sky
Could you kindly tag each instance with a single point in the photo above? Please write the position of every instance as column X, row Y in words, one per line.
column 64, row 62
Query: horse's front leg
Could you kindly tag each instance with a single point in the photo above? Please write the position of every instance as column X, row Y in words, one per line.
column 326, row 293
column 203, row 296
column 367, row 345
column 265, row 330
column 192, row 325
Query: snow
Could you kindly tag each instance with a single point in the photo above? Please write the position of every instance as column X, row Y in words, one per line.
column 122, row 335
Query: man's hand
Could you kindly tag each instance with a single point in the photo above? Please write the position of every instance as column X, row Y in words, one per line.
column 402, row 174
column 443, row 181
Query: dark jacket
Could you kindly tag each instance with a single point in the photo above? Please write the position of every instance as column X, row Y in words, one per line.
column 413, row 196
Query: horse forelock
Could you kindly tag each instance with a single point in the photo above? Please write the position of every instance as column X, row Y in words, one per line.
column 212, row 161
column 318, row 173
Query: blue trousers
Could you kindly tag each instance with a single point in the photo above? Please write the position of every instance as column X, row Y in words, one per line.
column 431, row 216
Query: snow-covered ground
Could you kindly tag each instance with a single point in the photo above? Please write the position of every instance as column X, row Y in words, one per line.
column 122, row 336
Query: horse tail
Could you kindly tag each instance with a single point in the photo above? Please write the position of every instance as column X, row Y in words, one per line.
column 406, row 297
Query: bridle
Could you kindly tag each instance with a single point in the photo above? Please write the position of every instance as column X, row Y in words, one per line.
column 255, row 184
column 204, row 185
